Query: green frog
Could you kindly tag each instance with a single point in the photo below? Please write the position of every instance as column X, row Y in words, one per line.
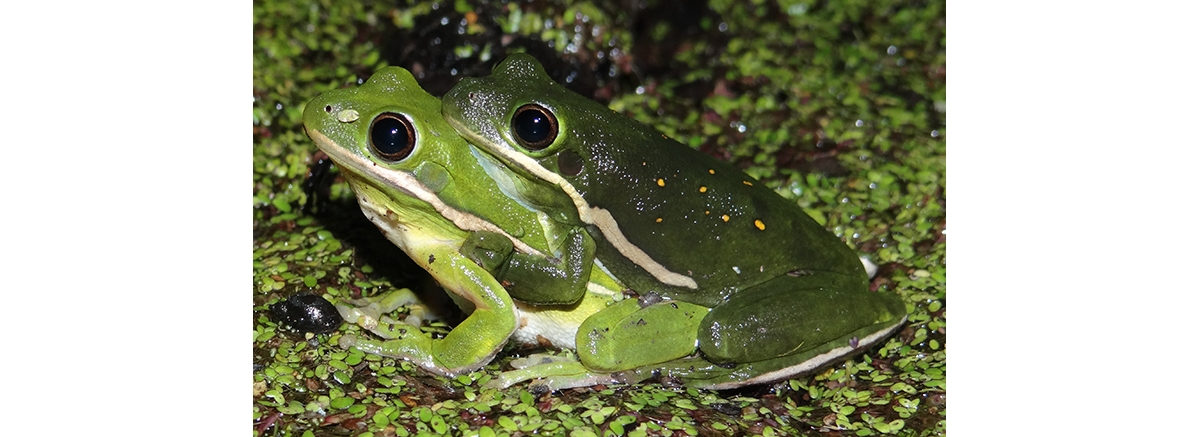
column 736, row 284
column 520, row 275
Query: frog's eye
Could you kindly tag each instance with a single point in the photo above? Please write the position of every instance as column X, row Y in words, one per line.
column 392, row 137
column 534, row 126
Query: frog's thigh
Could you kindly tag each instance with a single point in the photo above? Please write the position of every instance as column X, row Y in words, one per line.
column 625, row 335
column 789, row 315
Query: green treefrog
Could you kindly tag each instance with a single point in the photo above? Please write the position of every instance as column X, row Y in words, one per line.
column 737, row 284
column 520, row 275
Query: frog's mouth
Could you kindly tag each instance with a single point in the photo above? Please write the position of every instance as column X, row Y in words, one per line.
column 410, row 186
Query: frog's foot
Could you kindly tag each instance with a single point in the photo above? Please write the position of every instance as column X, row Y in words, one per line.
column 369, row 313
column 415, row 347
column 383, row 326
column 552, row 372
column 541, row 360
column 586, row 379
column 487, row 249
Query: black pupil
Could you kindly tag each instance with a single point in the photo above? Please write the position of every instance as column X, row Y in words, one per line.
column 532, row 126
column 390, row 137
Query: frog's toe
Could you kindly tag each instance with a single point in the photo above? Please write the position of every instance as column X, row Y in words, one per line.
column 365, row 316
column 348, row 341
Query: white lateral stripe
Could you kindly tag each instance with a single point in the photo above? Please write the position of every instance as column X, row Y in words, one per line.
column 588, row 214
column 407, row 183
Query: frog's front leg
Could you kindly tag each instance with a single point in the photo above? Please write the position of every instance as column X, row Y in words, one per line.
column 536, row 279
column 471, row 344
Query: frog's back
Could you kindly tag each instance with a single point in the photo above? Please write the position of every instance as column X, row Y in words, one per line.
column 696, row 215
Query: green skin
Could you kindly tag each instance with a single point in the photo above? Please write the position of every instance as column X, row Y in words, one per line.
column 520, row 275
column 746, row 278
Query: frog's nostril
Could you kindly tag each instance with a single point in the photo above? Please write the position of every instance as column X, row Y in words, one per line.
column 328, row 109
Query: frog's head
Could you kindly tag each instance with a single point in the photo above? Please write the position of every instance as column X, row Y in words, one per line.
column 391, row 143
column 386, row 133
column 538, row 127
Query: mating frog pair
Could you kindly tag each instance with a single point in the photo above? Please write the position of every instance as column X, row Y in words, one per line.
column 537, row 209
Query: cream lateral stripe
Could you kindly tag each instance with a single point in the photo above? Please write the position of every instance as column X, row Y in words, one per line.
column 590, row 215
column 407, row 183
column 634, row 253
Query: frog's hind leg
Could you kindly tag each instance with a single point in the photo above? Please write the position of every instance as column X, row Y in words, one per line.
column 799, row 322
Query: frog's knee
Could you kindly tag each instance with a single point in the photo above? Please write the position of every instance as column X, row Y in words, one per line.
column 744, row 340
